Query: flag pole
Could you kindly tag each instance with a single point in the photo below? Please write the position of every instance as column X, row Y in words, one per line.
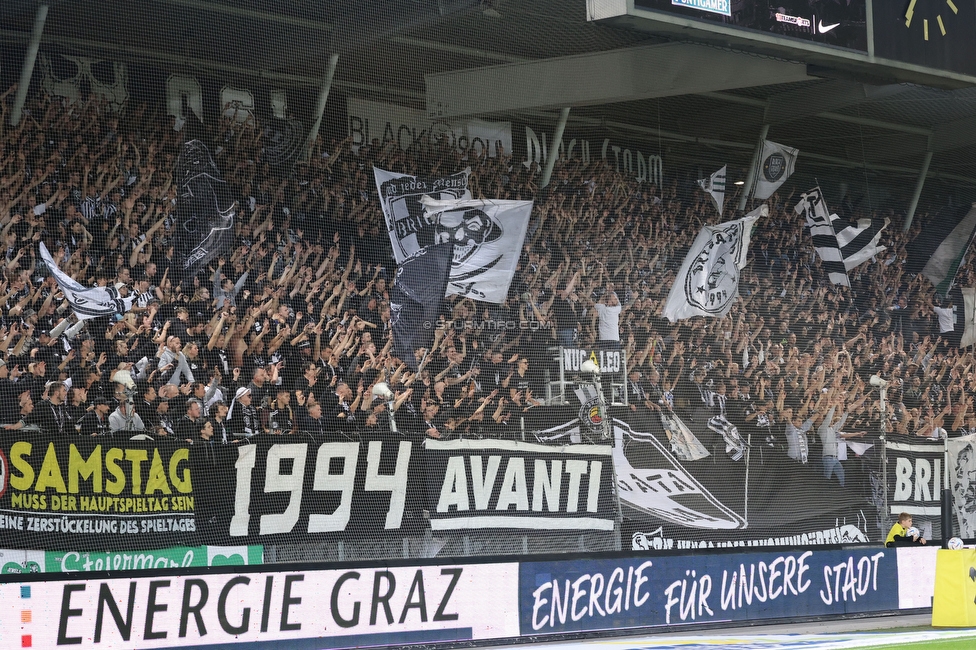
column 745, row 509
column 946, row 523
column 884, row 456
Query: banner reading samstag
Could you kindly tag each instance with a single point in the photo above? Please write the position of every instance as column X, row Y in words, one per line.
column 95, row 492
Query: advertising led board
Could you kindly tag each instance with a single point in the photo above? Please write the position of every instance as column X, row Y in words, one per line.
column 336, row 608
column 840, row 24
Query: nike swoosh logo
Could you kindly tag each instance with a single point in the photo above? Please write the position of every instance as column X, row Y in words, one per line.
column 826, row 28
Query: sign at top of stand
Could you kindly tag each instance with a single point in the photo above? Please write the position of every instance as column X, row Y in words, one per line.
column 723, row 7
column 931, row 42
column 830, row 23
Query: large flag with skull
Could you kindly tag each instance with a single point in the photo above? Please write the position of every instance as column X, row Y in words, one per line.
column 205, row 210
column 487, row 237
column 400, row 196
column 708, row 281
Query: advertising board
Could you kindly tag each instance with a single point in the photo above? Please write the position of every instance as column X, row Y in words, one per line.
column 602, row 594
column 337, row 608
column 842, row 24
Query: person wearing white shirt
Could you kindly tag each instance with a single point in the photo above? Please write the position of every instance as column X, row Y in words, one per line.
column 608, row 312
column 947, row 318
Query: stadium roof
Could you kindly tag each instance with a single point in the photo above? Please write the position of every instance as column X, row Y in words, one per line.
column 388, row 49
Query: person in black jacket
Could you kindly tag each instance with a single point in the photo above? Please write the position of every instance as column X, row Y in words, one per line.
column 205, row 463
column 564, row 310
column 282, row 418
column 339, row 409
column 218, row 418
column 49, row 415
column 95, row 422
column 10, row 392
column 188, row 426
column 310, row 421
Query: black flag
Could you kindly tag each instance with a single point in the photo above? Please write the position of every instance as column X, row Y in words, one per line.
column 283, row 140
column 205, row 211
column 421, row 282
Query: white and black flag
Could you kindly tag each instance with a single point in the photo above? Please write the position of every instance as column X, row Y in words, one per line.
column 962, row 479
column 820, row 222
column 86, row 302
column 487, row 237
column 708, row 281
column 400, row 196
column 859, row 240
column 714, row 186
column 774, row 166
column 841, row 246
column 418, row 290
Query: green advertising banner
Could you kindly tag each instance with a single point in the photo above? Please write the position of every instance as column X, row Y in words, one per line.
column 21, row 561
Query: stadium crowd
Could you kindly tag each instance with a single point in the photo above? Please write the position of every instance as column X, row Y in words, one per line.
column 289, row 333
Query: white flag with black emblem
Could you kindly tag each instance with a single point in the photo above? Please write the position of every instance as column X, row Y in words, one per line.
column 714, row 186
column 86, row 302
column 775, row 165
column 400, row 196
column 487, row 237
column 708, row 281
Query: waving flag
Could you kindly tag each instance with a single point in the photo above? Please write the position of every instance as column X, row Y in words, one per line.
column 714, row 186
column 205, row 210
column 487, row 237
column 820, row 222
column 86, row 302
column 775, row 165
column 840, row 247
column 708, row 281
column 415, row 303
column 400, row 196
column 938, row 252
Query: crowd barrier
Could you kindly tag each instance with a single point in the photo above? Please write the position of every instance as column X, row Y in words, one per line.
column 346, row 606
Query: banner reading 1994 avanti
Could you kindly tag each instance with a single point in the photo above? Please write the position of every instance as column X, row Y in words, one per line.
column 95, row 493
column 105, row 493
